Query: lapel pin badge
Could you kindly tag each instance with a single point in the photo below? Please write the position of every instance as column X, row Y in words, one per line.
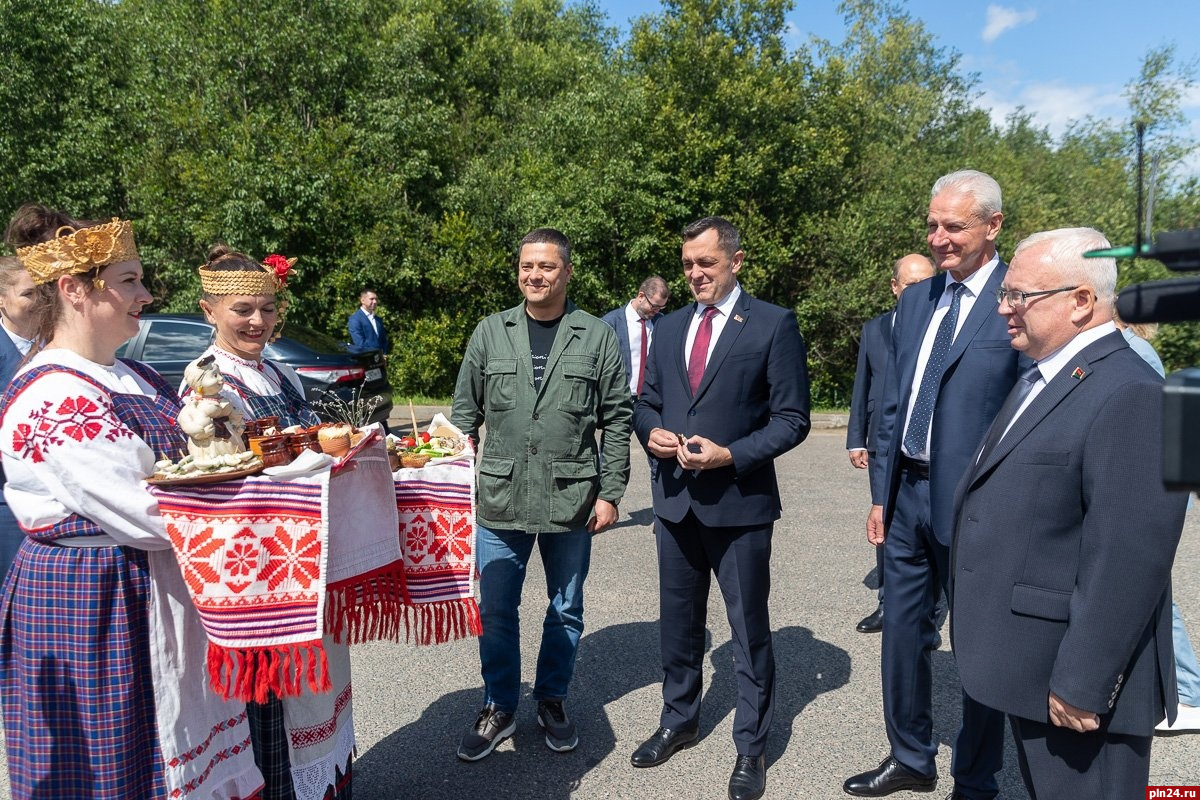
column 1078, row 374
column 738, row 318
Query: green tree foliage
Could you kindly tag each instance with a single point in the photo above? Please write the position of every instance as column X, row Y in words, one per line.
column 406, row 146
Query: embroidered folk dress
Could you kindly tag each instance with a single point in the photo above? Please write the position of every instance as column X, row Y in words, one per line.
column 265, row 389
column 262, row 389
column 102, row 656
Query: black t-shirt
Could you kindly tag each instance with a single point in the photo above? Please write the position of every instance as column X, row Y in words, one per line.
column 541, row 340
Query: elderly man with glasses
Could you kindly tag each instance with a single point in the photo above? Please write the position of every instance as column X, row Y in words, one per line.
column 1065, row 536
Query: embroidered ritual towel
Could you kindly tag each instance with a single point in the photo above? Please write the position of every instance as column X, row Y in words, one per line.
column 436, row 505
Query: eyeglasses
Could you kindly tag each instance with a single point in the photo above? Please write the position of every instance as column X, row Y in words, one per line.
column 1017, row 299
column 655, row 307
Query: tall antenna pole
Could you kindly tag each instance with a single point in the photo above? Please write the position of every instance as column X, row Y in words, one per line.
column 1137, row 241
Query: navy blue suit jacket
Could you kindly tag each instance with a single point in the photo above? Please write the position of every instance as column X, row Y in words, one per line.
column 1063, row 549
column 615, row 319
column 10, row 532
column 363, row 336
column 873, row 348
column 981, row 368
column 753, row 399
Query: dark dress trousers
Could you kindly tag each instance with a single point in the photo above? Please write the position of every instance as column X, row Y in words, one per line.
column 874, row 346
column 753, row 399
column 10, row 532
column 363, row 336
column 1062, row 559
column 981, row 367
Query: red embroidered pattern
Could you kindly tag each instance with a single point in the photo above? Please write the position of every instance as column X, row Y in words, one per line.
column 452, row 537
column 75, row 419
column 307, row 737
column 195, row 556
column 198, row 750
column 296, row 559
column 241, row 560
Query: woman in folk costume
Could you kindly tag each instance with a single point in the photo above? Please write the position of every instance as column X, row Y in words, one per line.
column 241, row 300
column 19, row 325
column 102, row 657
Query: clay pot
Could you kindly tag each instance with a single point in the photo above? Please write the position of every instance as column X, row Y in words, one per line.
column 304, row 440
column 274, row 451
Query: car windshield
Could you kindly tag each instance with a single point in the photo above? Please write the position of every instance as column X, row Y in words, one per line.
column 314, row 340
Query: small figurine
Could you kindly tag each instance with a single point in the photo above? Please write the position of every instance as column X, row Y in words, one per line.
column 214, row 427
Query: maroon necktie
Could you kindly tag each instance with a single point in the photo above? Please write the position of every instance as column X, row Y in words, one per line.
column 642, row 365
column 700, row 348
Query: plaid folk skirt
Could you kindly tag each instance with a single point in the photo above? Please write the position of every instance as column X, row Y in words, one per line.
column 75, row 672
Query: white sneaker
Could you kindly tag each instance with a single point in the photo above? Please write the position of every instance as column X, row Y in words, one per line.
column 1187, row 719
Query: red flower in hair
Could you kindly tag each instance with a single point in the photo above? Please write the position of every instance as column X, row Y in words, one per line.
column 280, row 265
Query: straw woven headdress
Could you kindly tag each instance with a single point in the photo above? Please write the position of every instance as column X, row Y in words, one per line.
column 271, row 279
column 75, row 251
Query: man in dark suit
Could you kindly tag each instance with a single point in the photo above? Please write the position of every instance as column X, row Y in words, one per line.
column 951, row 368
column 366, row 329
column 874, row 345
column 17, row 331
column 634, row 325
column 726, row 392
column 1065, row 536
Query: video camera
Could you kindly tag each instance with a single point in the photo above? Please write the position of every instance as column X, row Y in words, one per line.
column 1171, row 301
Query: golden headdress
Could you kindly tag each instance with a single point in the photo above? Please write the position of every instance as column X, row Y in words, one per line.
column 75, row 251
column 271, row 279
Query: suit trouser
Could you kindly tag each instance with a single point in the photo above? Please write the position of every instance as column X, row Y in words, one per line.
column 916, row 566
column 689, row 553
column 1059, row 762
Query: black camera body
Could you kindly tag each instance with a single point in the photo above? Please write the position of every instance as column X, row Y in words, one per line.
column 1173, row 301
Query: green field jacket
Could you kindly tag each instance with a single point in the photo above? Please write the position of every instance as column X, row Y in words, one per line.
column 540, row 468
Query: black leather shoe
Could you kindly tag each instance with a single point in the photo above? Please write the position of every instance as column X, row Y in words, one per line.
column 749, row 778
column 957, row 795
column 890, row 776
column 661, row 746
column 871, row 623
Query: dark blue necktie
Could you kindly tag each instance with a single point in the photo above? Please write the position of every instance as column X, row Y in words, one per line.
column 1008, row 411
column 918, row 424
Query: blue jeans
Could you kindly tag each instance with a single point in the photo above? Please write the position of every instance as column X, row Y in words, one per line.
column 1187, row 673
column 502, row 558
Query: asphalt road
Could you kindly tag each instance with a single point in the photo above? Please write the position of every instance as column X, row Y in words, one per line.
column 411, row 705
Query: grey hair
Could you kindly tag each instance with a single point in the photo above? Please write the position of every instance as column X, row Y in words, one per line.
column 981, row 187
column 1065, row 248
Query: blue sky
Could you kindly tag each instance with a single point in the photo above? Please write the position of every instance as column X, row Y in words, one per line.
column 1060, row 59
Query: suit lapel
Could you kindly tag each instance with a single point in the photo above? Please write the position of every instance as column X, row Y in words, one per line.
column 1068, row 379
column 982, row 310
column 914, row 332
column 734, row 326
column 10, row 358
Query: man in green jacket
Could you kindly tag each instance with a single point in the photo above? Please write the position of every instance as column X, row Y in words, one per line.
column 543, row 377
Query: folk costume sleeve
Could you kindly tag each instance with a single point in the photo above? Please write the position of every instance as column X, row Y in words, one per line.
column 65, row 452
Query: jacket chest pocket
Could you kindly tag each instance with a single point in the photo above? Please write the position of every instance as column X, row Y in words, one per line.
column 578, row 394
column 500, row 384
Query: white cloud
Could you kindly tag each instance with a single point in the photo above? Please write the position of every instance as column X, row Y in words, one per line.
column 1001, row 19
column 1055, row 105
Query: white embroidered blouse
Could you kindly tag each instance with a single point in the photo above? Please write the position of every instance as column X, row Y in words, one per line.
column 87, row 461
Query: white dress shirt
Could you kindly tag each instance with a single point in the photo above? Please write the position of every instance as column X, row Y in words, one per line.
column 1053, row 364
column 718, row 323
column 633, row 326
column 972, row 287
